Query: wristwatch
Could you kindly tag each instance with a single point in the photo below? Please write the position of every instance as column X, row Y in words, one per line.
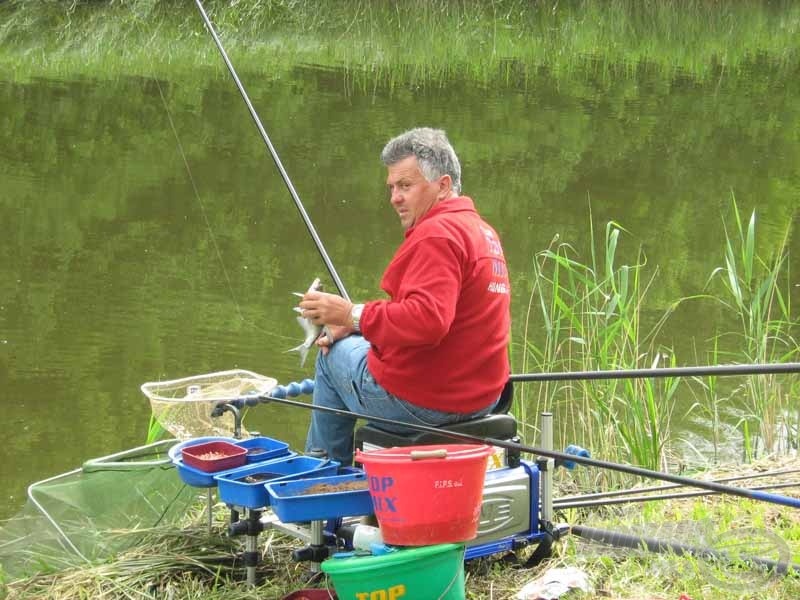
column 355, row 313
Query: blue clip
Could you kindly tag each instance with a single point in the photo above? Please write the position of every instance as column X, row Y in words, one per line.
column 379, row 548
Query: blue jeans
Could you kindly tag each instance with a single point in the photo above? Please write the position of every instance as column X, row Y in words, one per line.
column 343, row 381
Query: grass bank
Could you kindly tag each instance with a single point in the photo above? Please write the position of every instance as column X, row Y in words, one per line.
column 187, row 562
column 421, row 41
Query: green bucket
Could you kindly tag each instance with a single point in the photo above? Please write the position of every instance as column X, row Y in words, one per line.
column 422, row 573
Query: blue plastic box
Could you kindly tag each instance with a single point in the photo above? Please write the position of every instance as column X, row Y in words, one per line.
column 196, row 477
column 296, row 500
column 253, row 494
column 263, row 448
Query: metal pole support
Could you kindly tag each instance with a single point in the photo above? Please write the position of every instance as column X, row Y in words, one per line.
column 549, row 466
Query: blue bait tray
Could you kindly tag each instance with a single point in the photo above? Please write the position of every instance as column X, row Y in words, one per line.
column 297, row 501
column 253, row 494
column 196, row 477
column 263, row 448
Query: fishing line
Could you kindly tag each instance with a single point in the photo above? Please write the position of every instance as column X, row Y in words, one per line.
column 206, row 220
column 274, row 154
column 197, row 197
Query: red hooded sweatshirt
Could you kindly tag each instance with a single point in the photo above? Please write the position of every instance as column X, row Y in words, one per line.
column 441, row 340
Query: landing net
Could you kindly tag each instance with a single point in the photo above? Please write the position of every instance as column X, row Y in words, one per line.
column 109, row 503
column 184, row 406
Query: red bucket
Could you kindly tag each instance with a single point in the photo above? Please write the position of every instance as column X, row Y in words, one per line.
column 425, row 495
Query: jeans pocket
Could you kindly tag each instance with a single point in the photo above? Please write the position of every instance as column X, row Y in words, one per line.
column 371, row 389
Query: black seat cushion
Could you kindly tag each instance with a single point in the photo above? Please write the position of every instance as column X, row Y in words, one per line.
column 497, row 426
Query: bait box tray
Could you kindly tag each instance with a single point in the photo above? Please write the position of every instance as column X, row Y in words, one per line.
column 196, row 477
column 253, row 494
column 298, row 501
column 263, row 448
column 176, row 452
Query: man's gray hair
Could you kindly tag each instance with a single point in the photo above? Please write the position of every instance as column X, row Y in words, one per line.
column 434, row 153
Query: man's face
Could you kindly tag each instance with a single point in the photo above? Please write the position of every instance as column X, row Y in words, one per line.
column 411, row 195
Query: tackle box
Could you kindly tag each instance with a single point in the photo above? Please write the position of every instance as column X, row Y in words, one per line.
column 262, row 448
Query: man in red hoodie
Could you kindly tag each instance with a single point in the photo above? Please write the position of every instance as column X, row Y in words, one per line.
column 435, row 352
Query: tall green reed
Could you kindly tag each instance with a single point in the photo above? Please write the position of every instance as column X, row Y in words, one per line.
column 592, row 319
column 756, row 290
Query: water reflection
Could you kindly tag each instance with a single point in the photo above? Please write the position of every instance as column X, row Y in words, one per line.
column 115, row 272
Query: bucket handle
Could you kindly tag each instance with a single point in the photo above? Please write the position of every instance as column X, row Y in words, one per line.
column 423, row 454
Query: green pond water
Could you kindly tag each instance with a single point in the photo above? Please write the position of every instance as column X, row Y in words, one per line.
column 119, row 265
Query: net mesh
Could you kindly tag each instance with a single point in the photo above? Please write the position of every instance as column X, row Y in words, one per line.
column 90, row 513
column 184, row 406
column 105, row 506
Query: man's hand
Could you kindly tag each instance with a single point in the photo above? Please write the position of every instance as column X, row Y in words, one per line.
column 332, row 311
column 327, row 309
column 332, row 333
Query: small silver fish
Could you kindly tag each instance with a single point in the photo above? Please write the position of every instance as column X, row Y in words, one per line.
column 311, row 330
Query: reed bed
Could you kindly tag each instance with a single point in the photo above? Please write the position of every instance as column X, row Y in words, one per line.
column 757, row 290
column 593, row 315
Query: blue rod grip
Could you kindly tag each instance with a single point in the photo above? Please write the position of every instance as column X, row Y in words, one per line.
column 290, row 390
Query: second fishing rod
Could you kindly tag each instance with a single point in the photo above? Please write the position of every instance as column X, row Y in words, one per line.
column 541, row 452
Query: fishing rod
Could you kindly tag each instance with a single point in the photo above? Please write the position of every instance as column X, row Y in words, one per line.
column 662, row 488
column 561, row 456
column 712, row 370
column 622, row 540
column 276, row 159
column 627, row 499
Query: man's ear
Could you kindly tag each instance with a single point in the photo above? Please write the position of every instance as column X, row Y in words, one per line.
column 445, row 187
